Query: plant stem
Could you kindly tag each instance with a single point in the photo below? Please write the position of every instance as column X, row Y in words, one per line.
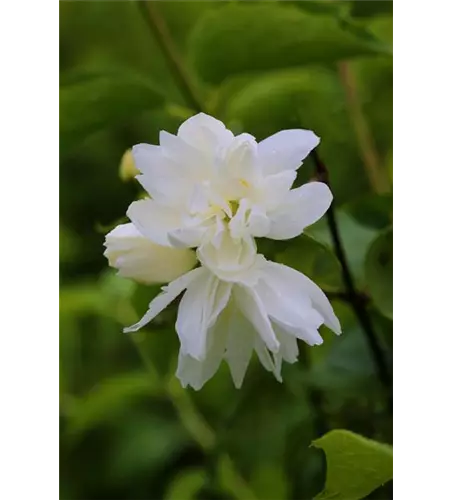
column 377, row 178
column 355, row 299
column 163, row 37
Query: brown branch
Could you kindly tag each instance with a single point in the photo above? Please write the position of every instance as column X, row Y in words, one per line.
column 354, row 297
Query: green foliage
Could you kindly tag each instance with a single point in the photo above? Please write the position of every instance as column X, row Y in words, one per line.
column 242, row 38
column 379, row 272
column 356, row 466
column 314, row 259
column 186, row 485
column 128, row 429
column 86, row 97
column 300, row 98
column 374, row 211
column 370, row 8
column 356, row 239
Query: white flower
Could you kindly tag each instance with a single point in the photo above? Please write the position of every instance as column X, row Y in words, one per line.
column 138, row 258
column 266, row 309
column 204, row 181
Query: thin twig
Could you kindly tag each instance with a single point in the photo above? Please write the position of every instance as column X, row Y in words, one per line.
column 354, row 297
column 163, row 37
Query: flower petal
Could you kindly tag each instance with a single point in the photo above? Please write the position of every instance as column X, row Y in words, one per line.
column 194, row 312
column 154, row 220
column 301, row 285
column 297, row 317
column 205, row 133
column 240, row 344
column 231, row 258
column 253, row 309
column 275, row 188
column 287, row 352
column 169, row 293
column 184, row 154
column 303, row 206
column 286, row 150
column 138, row 258
column 265, row 358
column 161, row 177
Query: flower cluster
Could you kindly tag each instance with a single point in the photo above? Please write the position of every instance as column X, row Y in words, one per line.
column 215, row 192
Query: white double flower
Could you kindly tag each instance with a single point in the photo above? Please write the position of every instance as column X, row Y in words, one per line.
column 216, row 192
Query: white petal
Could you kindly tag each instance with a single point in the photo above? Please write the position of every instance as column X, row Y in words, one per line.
column 241, row 159
column 187, row 237
column 192, row 159
column 286, row 150
column 253, row 309
column 138, row 258
column 153, row 220
column 258, row 222
column 275, row 188
column 195, row 373
column 265, row 358
column 297, row 317
column 231, row 258
column 303, row 206
column 161, row 177
column 169, row 293
column 287, row 352
column 237, row 225
column 240, row 343
column 205, row 132
column 202, row 303
column 194, row 313
column 301, row 285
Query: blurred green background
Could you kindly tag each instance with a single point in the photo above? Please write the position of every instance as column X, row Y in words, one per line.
column 128, row 431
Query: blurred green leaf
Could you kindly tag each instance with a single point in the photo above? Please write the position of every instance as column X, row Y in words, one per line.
column 314, row 259
column 95, row 100
column 356, row 239
column 145, row 445
column 342, row 364
column 269, row 481
column 374, row 210
column 369, row 8
column 356, row 466
column 299, row 98
column 259, row 37
column 321, row 6
column 379, row 272
column 186, row 485
column 109, row 398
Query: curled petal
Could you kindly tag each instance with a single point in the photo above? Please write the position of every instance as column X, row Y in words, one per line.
column 303, row 206
column 136, row 257
column 286, row 150
column 169, row 293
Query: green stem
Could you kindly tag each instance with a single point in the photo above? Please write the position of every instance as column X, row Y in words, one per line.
column 366, row 144
column 158, row 26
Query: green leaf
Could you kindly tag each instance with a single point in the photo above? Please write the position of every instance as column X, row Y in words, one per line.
column 109, row 398
column 356, row 240
column 145, row 444
column 269, row 481
column 371, row 8
column 356, row 466
column 320, row 7
column 300, row 98
column 95, row 100
column 259, row 37
column 186, row 485
column 315, row 260
column 374, row 210
column 378, row 269
column 343, row 366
